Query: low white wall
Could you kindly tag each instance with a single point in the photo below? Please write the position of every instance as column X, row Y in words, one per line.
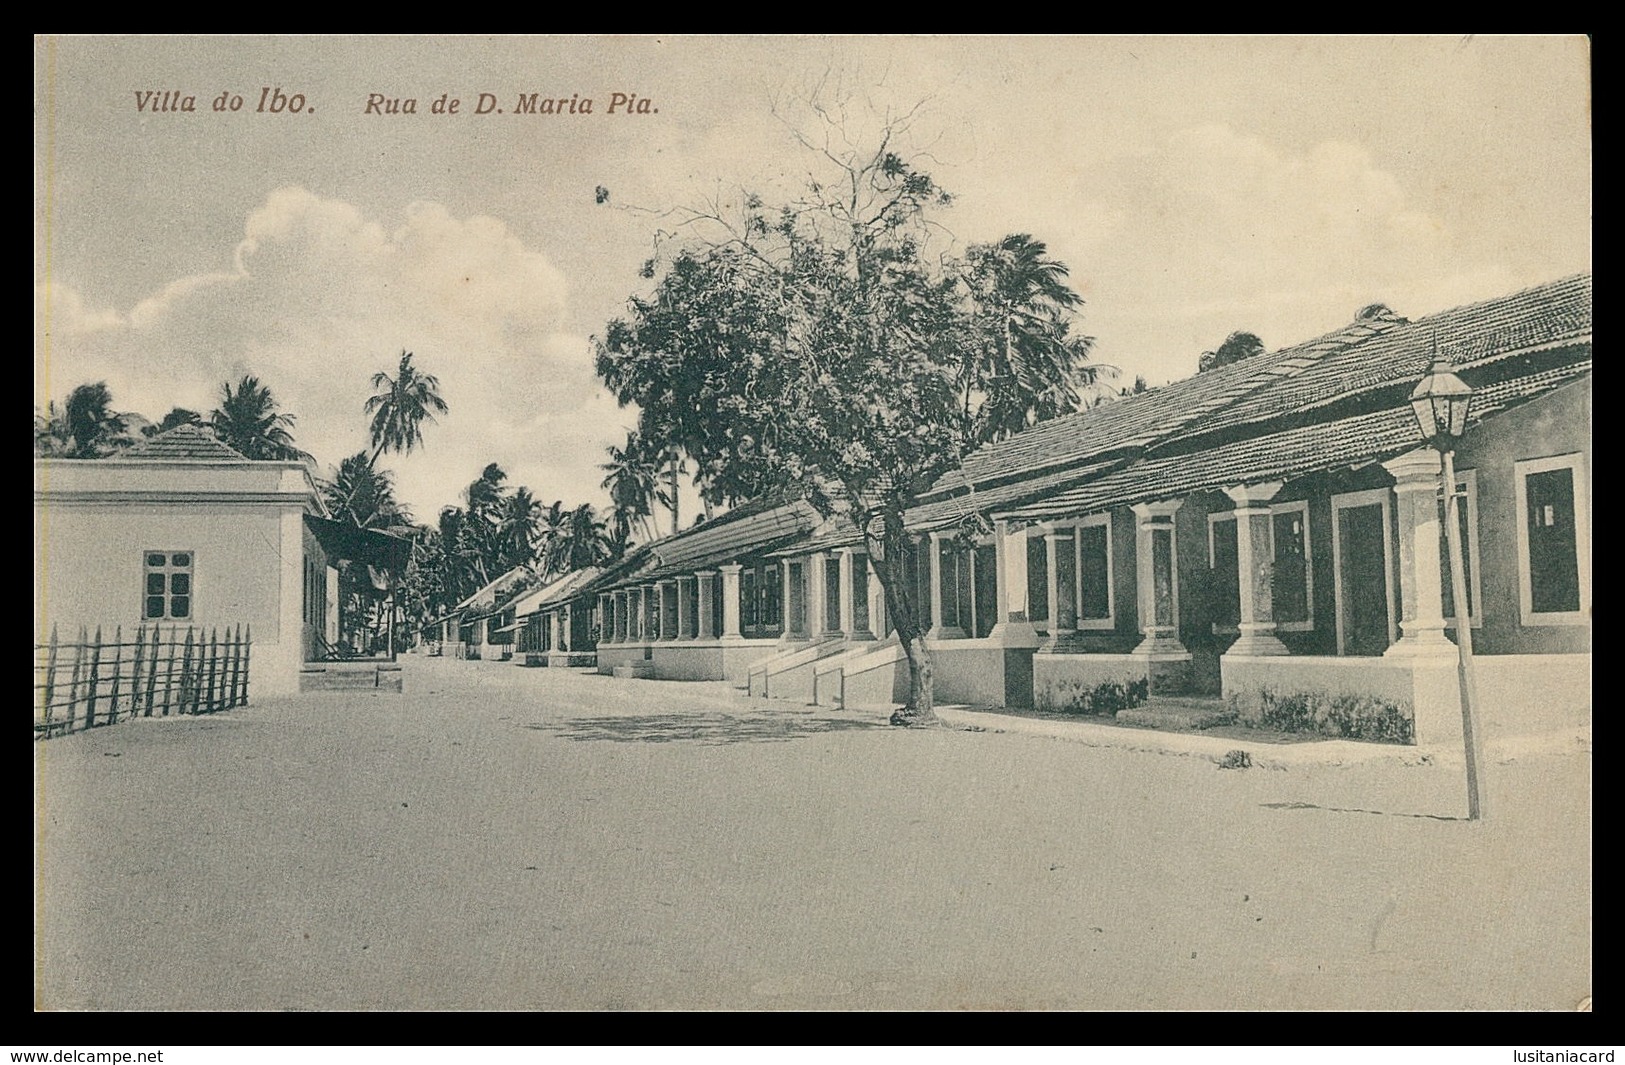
column 967, row 671
column 1058, row 677
column 1522, row 695
column 1427, row 687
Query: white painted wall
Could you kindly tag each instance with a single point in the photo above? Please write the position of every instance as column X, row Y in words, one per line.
column 242, row 522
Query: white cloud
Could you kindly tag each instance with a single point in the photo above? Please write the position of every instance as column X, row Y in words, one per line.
column 1217, row 230
column 323, row 297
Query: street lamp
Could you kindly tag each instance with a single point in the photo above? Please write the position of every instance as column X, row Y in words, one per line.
column 1440, row 403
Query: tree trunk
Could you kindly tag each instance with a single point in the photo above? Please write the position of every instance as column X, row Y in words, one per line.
column 673, row 468
column 901, row 607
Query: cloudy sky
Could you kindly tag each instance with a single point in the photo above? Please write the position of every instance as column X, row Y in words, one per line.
column 1194, row 185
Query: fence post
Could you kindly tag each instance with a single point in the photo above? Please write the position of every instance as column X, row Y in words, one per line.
column 118, row 662
column 248, row 652
column 95, row 679
column 236, row 664
column 50, row 680
column 169, row 670
column 197, row 674
column 152, row 671
column 185, row 694
column 214, row 668
column 78, row 669
column 135, row 678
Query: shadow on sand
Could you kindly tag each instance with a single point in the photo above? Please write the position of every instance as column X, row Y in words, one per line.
column 760, row 726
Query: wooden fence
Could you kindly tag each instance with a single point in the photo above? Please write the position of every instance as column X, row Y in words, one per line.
column 90, row 681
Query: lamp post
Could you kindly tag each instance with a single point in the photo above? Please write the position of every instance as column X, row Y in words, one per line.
column 1440, row 403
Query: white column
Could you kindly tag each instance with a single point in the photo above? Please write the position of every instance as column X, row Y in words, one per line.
column 706, row 582
column 730, row 601
column 1156, row 562
column 940, row 630
column 816, row 607
column 1421, row 577
column 667, row 592
column 878, row 622
column 854, row 571
column 685, row 600
column 1012, row 627
column 1254, row 564
column 1060, row 564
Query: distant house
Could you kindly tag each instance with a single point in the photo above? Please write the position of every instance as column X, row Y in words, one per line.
column 181, row 531
column 1270, row 527
column 553, row 628
column 485, row 621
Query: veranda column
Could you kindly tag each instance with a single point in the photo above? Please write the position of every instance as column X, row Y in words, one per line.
column 940, row 629
column 730, row 601
column 1013, row 627
column 1255, row 570
column 815, row 593
column 568, row 623
column 854, row 570
column 553, row 643
column 706, row 580
column 1421, row 575
column 685, row 607
column 791, row 602
column 879, row 622
column 666, row 598
column 653, row 624
column 1060, row 557
column 1156, row 566
column 639, row 604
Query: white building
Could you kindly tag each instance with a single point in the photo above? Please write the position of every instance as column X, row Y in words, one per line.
column 183, row 531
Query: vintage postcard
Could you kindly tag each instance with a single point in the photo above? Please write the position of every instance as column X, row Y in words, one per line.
column 812, row 522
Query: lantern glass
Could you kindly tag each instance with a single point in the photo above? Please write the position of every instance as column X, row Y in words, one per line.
column 1425, row 419
column 1440, row 403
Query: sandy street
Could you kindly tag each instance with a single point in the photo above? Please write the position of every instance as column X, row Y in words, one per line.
column 508, row 838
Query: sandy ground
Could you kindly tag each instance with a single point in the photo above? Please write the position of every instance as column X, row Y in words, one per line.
column 505, row 838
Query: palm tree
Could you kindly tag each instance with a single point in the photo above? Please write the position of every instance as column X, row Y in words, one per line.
column 464, row 561
column 1035, row 366
column 176, row 417
column 51, row 436
column 247, row 421
column 519, row 529
column 400, row 406
column 552, row 537
column 91, row 427
column 586, row 538
column 633, row 484
column 364, row 496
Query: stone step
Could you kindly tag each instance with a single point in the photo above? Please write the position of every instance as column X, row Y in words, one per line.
column 352, row 678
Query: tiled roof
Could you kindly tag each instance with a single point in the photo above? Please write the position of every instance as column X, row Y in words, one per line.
column 943, row 512
column 1140, row 420
column 502, row 591
column 717, row 542
column 1535, row 317
column 182, row 443
column 556, row 591
column 1347, row 442
column 750, row 529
